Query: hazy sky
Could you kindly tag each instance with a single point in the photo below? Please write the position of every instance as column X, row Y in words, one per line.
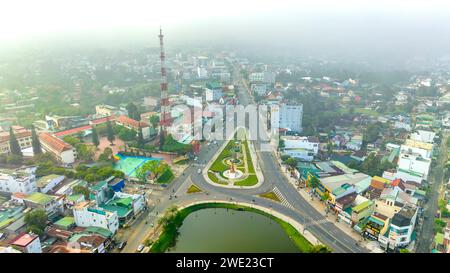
column 372, row 25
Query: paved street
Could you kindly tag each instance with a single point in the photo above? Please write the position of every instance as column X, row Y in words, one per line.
column 298, row 209
column 425, row 238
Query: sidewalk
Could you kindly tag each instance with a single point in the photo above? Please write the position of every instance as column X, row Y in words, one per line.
column 320, row 207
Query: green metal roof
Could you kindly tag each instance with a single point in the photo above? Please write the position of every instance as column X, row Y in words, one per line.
column 102, row 231
column 362, row 206
column 121, row 211
column 377, row 221
column 98, row 186
column 65, row 222
column 439, row 239
column 40, row 198
column 74, row 197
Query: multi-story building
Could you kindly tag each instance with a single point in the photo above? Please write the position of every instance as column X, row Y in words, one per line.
column 265, row 77
column 132, row 124
column 108, row 110
column 412, row 167
column 303, row 148
column 13, row 181
column 23, row 136
column 63, row 152
column 86, row 214
column 402, row 227
column 42, row 201
column 287, row 116
column 27, row 243
column 259, row 88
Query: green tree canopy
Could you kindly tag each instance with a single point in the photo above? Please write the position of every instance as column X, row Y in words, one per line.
column 36, row 221
column 37, row 149
column 14, row 143
column 110, row 132
column 95, row 139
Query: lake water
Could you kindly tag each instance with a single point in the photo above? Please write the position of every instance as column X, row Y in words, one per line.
column 222, row 230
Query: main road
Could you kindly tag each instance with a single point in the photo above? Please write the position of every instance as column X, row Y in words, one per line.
column 299, row 209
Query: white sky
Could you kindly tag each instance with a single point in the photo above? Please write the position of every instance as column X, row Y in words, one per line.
column 21, row 18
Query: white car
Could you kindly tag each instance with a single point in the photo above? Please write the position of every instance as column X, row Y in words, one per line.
column 140, row 248
column 199, row 171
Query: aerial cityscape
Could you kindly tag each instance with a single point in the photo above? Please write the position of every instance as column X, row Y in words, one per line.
column 173, row 140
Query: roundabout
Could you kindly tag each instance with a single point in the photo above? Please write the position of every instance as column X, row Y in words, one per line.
column 233, row 166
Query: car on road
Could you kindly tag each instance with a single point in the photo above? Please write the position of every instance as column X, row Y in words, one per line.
column 196, row 158
column 164, row 185
column 121, row 245
column 140, row 248
column 199, row 171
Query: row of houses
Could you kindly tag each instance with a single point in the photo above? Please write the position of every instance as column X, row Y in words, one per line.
column 88, row 222
column 378, row 208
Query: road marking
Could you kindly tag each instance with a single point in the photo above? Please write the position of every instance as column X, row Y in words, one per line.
column 282, row 198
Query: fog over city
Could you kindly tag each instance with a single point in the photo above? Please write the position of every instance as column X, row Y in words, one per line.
column 345, row 30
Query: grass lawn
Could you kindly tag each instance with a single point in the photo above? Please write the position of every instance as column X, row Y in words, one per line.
column 270, row 195
column 251, row 180
column 193, row 189
column 170, row 230
column 219, row 167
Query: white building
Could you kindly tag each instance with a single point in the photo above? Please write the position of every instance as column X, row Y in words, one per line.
column 23, row 136
column 424, row 136
column 27, row 243
column 303, row 148
column 202, row 73
column 63, row 152
column 265, row 77
column 108, row 110
column 48, row 182
column 287, row 117
column 213, row 95
column 412, row 167
column 86, row 214
column 13, row 181
column 402, row 227
column 259, row 88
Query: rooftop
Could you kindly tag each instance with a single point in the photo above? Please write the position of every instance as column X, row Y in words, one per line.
column 334, row 182
column 65, row 222
column 54, row 142
column 403, row 217
column 40, row 198
column 43, row 181
column 24, row 239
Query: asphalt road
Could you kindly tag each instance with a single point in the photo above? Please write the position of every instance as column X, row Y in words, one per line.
column 299, row 209
column 425, row 238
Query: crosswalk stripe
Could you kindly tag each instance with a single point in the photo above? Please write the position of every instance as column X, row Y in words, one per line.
column 282, row 198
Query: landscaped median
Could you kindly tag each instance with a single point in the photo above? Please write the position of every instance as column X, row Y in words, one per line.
column 233, row 166
column 173, row 219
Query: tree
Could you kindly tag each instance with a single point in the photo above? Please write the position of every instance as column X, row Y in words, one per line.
column 14, row 159
column 140, row 138
column 81, row 190
column 85, row 152
column 14, row 143
column 106, row 155
column 291, row 162
column 281, row 144
column 320, row 249
column 154, row 120
column 126, row 134
column 36, row 221
column 37, row 149
column 110, row 132
column 95, row 139
column 313, row 181
column 133, row 111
